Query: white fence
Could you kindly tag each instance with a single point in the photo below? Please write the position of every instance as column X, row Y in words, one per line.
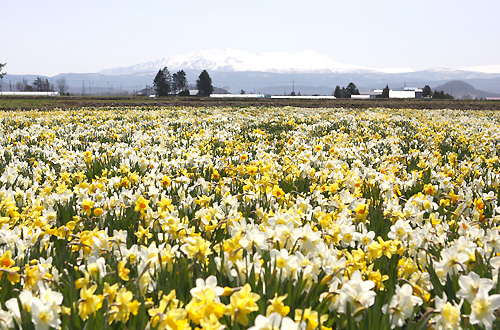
column 30, row 93
column 309, row 97
column 238, row 95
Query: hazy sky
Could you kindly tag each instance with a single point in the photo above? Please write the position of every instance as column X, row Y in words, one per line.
column 54, row 36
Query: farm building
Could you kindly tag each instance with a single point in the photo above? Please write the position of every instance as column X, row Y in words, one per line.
column 406, row 93
column 368, row 95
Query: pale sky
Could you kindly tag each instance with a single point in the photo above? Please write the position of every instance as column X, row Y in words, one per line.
column 54, row 36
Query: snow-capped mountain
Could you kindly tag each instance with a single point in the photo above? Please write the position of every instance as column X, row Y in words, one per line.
column 308, row 72
column 230, row 60
column 483, row 68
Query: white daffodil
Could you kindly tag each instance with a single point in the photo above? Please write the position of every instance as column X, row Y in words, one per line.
column 209, row 284
column 448, row 315
column 470, row 284
column 276, row 322
column 43, row 315
column 357, row 293
column 402, row 305
column 483, row 307
column 452, row 261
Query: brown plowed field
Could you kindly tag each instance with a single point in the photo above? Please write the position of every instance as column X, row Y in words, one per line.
column 24, row 103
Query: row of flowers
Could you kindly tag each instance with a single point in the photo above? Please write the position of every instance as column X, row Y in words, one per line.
column 212, row 218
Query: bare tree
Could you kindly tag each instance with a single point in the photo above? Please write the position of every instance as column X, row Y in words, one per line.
column 21, row 85
column 62, row 85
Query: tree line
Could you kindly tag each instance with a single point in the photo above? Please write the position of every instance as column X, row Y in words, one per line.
column 427, row 92
column 166, row 84
column 38, row 85
column 345, row 92
column 42, row 85
column 351, row 89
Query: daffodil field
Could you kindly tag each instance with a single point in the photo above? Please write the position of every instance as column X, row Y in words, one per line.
column 249, row 218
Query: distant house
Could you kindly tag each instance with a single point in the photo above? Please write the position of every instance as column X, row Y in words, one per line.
column 368, row 95
column 360, row 96
column 146, row 92
column 406, row 93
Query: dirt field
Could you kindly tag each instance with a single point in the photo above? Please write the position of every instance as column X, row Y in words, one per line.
column 23, row 103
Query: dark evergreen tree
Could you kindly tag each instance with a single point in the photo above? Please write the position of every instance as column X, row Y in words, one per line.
column 40, row 85
column 426, row 91
column 438, row 95
column 441, row 95
column 204, row 84
column 351, row 90
column 162, row 82
column 1, row 68
column 179, row 81
column 385, row 92
column 344, row 93
column 1, row 75
column 337, row 92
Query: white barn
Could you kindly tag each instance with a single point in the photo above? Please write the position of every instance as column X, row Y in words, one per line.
column 406, row 93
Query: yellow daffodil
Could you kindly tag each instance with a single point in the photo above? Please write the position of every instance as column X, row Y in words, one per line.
column 242, row 303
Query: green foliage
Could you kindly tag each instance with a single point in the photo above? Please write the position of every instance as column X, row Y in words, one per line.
column 204, row 84
column 346, row 92
column 179, row 81
column 41, row 85
column 426, row 91
column 385, row 92
column 337, row 92
column 1, row 68
column 162, row 82
column 70, row 253
column 352, row 89
column 441, row 95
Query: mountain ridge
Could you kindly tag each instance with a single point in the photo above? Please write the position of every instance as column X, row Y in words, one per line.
column 230, row 60
column 307, row 61
column 460, row 90
column 267, row 73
